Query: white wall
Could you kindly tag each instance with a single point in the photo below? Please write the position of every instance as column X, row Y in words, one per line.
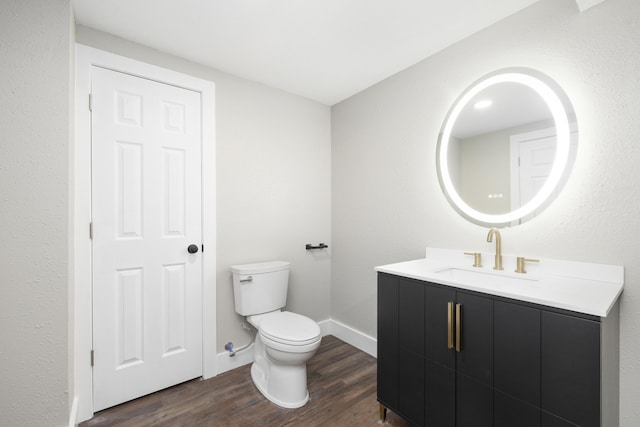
column 273, row 155
column 35, row 65
column 387, row 203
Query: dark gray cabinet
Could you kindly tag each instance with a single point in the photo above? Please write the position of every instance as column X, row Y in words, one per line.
column 440, row 376
column 388, row 363
column 517, row 351
column 451, row 357
column 570, row 374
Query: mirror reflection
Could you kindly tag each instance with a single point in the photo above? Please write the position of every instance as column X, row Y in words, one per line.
column 501, row 147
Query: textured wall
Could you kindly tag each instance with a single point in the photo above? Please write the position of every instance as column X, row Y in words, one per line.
column 386, row 201
column 35, row 46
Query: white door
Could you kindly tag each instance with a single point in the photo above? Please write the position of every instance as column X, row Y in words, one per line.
column 536, row 160
column 532, row 157
column 146, row 212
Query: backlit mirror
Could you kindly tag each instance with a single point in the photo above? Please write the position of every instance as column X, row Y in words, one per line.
column 507, row 147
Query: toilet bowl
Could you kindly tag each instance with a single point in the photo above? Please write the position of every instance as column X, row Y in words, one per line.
column 284, row 343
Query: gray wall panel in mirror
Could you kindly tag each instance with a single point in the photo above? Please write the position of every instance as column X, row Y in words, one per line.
column 507, row 147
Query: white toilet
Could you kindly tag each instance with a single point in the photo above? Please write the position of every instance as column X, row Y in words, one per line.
column 285, row 340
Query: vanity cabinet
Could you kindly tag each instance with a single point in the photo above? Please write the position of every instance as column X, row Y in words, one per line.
column 452, row 357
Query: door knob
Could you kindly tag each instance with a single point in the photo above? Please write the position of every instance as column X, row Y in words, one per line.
column 192, row 249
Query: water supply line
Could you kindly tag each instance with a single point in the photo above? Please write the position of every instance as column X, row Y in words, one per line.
column 229, row 347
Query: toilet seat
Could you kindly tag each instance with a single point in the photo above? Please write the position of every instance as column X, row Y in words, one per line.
column 289, row 328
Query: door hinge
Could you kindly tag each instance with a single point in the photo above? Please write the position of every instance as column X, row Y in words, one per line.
column 92, row 358
column 90, row 102
column 91, row 230
column 203, row 247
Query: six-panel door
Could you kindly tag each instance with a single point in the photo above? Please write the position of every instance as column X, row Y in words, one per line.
column 146, row 208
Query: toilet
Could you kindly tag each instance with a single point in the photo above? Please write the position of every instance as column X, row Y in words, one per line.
column 285, row 340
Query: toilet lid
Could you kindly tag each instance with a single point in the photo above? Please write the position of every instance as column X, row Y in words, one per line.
column 290, row 328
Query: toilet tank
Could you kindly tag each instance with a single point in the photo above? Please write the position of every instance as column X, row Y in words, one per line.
column 260, row 287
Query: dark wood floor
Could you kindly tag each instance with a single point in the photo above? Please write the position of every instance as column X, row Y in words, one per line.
column 341, row 381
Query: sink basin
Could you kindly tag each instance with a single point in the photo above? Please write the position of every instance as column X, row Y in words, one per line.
column 482, row 275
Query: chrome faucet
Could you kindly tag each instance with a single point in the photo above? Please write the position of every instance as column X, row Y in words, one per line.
column 492, row 232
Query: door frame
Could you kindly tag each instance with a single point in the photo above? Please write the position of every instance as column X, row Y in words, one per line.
column 80, row 314
column 514, row 154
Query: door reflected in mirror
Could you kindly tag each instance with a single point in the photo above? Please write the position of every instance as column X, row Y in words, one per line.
column 506, row 147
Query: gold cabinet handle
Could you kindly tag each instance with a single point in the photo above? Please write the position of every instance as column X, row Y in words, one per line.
column 458, row 327
column 450, row 325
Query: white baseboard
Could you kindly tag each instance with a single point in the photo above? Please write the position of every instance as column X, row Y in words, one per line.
column 339, row 330
column 326, row 327
column 73, row 413
column 351, row 336
column 242, row 357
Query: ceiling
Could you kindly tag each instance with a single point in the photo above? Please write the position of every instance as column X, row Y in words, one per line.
column 325, row 50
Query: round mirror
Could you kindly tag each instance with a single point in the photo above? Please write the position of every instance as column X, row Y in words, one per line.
column 506, row 147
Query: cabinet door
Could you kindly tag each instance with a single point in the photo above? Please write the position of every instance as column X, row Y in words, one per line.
column 436, row 324
column 411, row 316
column 388, row 340
column 509, row 412
column 439, row 395
column 411, row 388
column 570, row 375
column 517, row 351
column 475, row 359
column 440, row 377
column 474, row 402
column 549, row 420
column 411, row 350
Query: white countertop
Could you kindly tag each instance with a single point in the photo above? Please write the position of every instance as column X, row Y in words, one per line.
column 582, row 287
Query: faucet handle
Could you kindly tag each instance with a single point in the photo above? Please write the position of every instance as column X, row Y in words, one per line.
column 477, row 258
column 520, row 263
